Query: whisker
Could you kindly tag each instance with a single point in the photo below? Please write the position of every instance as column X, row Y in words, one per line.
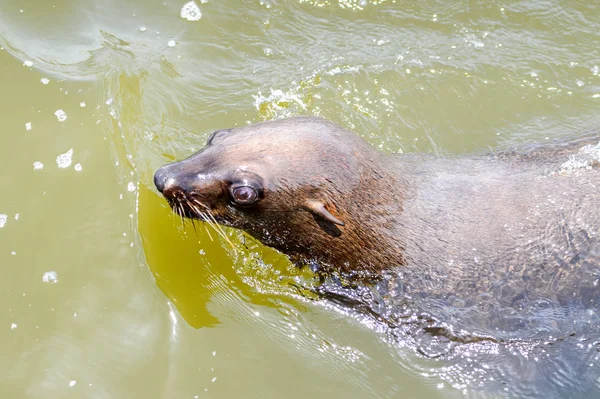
column 215, row 225
column 207, row 218
column 213, row 222
column 202, row 215
column 181, row 214
column 207, row 231
column 194, row 226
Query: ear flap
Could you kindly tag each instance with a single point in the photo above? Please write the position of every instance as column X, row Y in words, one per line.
column 318, row 209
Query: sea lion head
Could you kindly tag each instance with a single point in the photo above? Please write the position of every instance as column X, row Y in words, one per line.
column 293, row 184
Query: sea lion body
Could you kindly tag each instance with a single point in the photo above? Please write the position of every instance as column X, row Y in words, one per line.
column 506, row 247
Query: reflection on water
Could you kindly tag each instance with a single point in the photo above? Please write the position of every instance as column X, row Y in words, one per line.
column 143, row 306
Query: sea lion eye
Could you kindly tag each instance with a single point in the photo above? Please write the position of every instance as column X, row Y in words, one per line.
column 244, row 195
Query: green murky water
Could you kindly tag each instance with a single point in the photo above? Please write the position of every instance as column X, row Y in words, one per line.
column 104, row 294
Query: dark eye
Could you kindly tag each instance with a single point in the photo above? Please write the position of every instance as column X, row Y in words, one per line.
column 244, row 195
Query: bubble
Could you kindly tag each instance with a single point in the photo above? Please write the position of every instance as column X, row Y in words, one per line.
column 191, row 12
column 171, row 43
column 60, row 115
column 64, row 160
column 50, row 277
column 45, row 81
column 28, row 63
column 28, row 126
column 37, row 165
column 143, row 29
column 3, row 219
column 78, row 167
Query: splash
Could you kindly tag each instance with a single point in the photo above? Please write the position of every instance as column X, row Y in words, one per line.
column 346, row 4
column 279, row 103
column 587, row 158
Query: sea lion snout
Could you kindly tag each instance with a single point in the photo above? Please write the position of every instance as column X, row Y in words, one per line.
column 170, row 180
column 160, row 178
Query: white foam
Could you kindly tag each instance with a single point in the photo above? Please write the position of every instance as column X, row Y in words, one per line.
column 50, row 277
column 587, row 158
column 191, row 11
column 65, row 160
column 61, row 115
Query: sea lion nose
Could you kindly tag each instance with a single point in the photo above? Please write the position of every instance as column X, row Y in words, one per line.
column 160, row 178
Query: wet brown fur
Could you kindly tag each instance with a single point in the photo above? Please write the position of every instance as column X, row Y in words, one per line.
column 509, row 226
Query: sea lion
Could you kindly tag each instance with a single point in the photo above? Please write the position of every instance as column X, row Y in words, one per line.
column 505, row 246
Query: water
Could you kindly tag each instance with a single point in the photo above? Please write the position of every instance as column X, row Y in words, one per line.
column 141, row 306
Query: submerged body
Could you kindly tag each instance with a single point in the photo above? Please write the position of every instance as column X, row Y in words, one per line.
column 504, row 249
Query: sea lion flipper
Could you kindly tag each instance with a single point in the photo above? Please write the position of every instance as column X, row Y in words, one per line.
column 318, row 208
